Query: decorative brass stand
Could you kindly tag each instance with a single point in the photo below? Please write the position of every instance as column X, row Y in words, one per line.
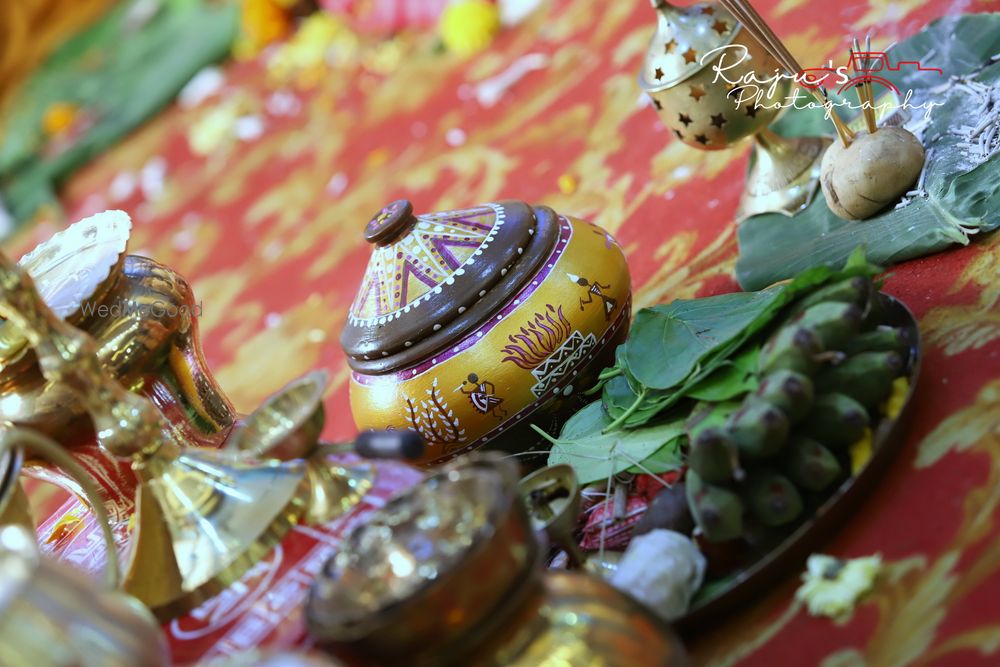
column 287, row 427
column 203, row 518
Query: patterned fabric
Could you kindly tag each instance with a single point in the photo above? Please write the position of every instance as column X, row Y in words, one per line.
column 269, row 232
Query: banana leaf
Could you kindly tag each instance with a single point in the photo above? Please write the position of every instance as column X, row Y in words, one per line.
column 119, row 75
column 962, row 198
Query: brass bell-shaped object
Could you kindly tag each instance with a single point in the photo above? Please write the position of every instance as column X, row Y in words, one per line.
column 202, row 519
column 287, row 427
column 694, row 71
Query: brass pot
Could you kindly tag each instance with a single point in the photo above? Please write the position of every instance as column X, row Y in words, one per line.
column 470, row 324
column 449, row 573
column 143, row 316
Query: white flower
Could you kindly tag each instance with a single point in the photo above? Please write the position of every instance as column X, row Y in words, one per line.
column 832, row 587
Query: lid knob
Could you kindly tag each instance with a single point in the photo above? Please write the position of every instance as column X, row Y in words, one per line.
column 390, row 222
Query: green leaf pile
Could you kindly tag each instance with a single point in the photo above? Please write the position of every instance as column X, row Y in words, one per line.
column 688, row 350
column 961, row 199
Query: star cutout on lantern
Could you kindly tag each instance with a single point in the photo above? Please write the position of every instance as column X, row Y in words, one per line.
column 679, row 135
column 718, row 120
column 697, row 92
column 707, row 11
column 658, row 73
column 670, row 46
column 656, row 103
column 690, row 55
column 701, row 139
column 684, row 118
column 751, row 111
column 720, row 26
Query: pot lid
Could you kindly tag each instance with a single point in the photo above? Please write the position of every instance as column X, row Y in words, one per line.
column 683, row 36
column 433, row 276
column 71, row 268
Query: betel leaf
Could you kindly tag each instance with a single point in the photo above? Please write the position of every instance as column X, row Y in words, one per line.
column 961, row 196
column 588, row 420
column 648, row 403
column 733, row 378
column 667, row 342
column 666, row 458
column 599, row 456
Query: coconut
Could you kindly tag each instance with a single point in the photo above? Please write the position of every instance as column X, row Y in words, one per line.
column 874, row 171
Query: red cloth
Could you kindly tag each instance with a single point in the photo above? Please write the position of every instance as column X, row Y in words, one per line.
column 269, row 232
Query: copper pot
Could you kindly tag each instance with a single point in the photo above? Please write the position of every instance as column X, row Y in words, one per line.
column 449, row 573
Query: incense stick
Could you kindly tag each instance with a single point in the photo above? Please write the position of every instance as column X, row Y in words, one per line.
column 868, row 82
column 864, row 94
column 762, row 32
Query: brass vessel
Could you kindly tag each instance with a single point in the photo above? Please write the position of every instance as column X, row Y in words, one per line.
column 698, row 72
column 449, row 573
column 202, row 518
column 142, row 316
column 54, row 616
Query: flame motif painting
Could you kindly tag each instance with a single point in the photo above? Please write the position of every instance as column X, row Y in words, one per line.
column 538, row 339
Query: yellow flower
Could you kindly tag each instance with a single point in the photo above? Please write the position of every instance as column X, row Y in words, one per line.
column 832, row 587
column 469, row 26
column 567, row 184
column 861, row 451
column 307, row 49
column 897, row 397
column 215, row 128
column 261, row 22
column 59, row 117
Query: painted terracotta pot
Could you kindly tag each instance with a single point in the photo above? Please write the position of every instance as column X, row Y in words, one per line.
column 471, row 324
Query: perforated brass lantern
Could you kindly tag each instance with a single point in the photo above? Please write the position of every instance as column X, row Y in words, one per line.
column 694, row 72
column 287, row 427
column 202, row 519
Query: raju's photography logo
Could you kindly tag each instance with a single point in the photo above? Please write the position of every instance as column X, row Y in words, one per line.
column 865, row 68
column 156, row 309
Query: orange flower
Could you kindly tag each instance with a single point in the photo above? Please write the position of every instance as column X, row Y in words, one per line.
column 59, row 117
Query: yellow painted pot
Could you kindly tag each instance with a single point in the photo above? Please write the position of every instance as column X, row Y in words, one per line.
column 471, row 324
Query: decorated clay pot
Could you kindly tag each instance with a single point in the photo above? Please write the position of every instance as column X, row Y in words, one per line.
column 471, row 324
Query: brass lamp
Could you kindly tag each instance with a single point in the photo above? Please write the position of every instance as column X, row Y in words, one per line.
column 287, row 427
column 202, row 518
column 707, row 109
